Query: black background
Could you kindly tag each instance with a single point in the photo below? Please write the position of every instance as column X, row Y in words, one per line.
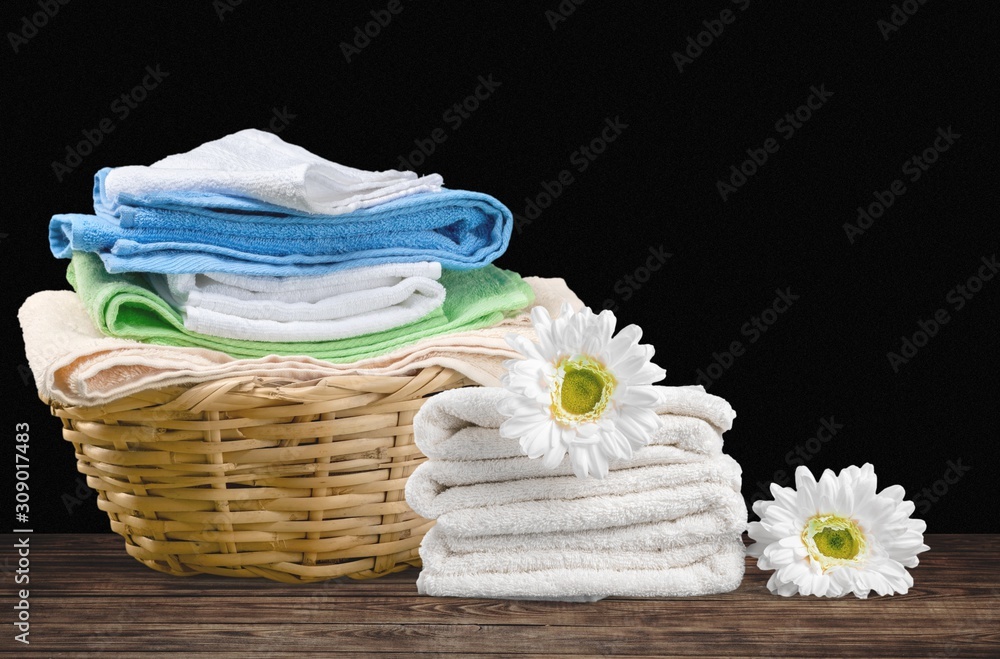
column 654, row 186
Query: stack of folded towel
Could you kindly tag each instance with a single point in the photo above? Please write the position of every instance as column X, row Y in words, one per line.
column 251, row 247
column 667, row 522
column 73, row 363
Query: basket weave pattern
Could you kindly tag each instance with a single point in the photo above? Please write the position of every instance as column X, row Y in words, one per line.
column 257, row 477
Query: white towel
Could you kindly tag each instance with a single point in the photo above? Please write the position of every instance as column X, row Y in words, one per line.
column 462, row 424
column 432, row 499
column 222, row 291
column 696, row 527
column 679, row 439
column 258, row 165
column 450, row 473
column 74, row 364
column 327, row 307
column 561, row 504
column 487, row 557
column 586, row 576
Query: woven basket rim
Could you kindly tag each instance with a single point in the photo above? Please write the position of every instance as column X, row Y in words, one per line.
column 256, row 385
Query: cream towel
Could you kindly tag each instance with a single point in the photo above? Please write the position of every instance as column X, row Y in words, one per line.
column 74, row 364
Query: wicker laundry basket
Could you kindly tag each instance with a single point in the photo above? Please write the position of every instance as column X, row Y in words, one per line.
column 257, row 477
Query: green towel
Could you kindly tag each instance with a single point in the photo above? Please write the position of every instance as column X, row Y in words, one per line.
column 126, row 306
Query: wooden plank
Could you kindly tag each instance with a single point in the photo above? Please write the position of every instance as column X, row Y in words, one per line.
column 791, row 638
column 88, row 596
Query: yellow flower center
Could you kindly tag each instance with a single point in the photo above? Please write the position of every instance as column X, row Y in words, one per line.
column 583, row 392
column 836, row 543
column 833, row 541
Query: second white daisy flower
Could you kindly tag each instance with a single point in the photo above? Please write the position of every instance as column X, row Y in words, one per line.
column 580, row 391
column 837, row 536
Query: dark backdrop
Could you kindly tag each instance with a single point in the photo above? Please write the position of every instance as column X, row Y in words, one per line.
column 747, row 281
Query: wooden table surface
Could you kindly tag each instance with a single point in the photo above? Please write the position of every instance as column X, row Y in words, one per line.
column 89, row 598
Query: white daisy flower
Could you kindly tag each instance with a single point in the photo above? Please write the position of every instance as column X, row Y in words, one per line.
column 837, row 536
column 580, row 391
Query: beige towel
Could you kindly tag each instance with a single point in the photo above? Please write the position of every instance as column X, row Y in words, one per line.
column 74, row 364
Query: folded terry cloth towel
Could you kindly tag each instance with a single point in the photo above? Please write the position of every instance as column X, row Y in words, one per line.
column 456, row 228
column 695, row 528
column 481, row 455
column 488, row 557
column 449, row 473
column 565, row 503
column 73, row 363
column 126, row 306
column 715, row 567
column 226, row 292
column 259, row 166
column 334, row 306
column 461, row 424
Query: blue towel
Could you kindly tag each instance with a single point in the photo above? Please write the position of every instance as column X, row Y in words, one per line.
column 207, row 232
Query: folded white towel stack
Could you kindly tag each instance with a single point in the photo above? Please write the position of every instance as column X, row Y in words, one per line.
column 666, row 522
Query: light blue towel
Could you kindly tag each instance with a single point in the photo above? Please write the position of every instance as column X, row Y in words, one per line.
column 204, row 232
